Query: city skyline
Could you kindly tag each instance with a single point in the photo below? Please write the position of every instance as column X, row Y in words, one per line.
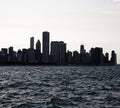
column 56, row 53
column 88, row 22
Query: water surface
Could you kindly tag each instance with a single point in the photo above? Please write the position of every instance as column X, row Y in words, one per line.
column 59, row 87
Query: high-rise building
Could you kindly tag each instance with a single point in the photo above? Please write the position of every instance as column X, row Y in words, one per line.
column 38, row 46
column 4, row 50
column 45, row 48
column 62, row 53
column 113, row 58
column 55, row 52
column 76, row 58
column 82, row 50
column 3, row 56
column 82, row 55
column 32, row 42
column 25, row 56
column 38, row 52
column 10, row 56
column 87, row 59
column 19, row 56
column 69, row 57
column 92, row 54
column 58, row 53
column 10, row 50
column 31, row 55
column 106, row 58
column 98, row 56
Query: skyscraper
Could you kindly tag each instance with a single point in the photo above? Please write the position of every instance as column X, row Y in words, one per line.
column 3, row 56
column 82, row 50
column 19, row 56
column 113, row 58
column 106, row 58
column 10, row 56
column 76, row 58
column 69, row 57
column 55, row 52
column 62, row 53
column 38, row 52
column 98, row 56
column 31, row 55
column 82, row 55
column 32, row 42
column 24, row 56
column 45, row 48
column 38, row 46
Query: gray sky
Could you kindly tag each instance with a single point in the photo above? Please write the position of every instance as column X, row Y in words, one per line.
column 94, row 23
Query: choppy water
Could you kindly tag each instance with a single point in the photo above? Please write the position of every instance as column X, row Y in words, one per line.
column 59, row 87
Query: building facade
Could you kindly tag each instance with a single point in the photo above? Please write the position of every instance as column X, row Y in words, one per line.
column 45, row 48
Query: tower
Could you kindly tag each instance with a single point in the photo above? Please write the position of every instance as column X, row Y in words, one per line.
column 55, row 50
column 38, row 46
column 82, row 55
column 32, row 42
column 38, row 52
column 82, row 51
column 113, row 58
column 45, row 48
column 62, row 46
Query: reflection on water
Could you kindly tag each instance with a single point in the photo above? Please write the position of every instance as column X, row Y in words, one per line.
column 59, row 87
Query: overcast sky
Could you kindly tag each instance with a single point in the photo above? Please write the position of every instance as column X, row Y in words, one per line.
column 94, row 23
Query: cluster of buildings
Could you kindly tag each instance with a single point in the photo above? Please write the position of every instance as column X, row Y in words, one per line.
column 55, row 53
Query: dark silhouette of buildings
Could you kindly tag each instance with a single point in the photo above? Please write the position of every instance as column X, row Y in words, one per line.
column 19, row 56
column 97, row 56
column 76, row 58
column 113, row 58
column 32, row 42
column 57, row 55
column 45, row 54
column 62, row 53
column 69, row 58
column 82, row 55
column 31, row 56
column 38, row 52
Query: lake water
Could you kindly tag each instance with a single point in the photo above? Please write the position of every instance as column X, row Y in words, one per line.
column 59, row 87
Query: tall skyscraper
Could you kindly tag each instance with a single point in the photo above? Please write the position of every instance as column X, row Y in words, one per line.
column 32, row 42
column 62, row 53
column 3, row 56
column 38, row 46
column 98, row 56
column 31, row 55
column 106, row 58
column 55, row 52
column 69, row 57
column 76, row 57
column 45, row 48
column 113, row 58
column 82, row 55
column 10, row 57
column 38, row 52
column 82, row 50
column 19, row 56
column 24, row 56
column 10, row 50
